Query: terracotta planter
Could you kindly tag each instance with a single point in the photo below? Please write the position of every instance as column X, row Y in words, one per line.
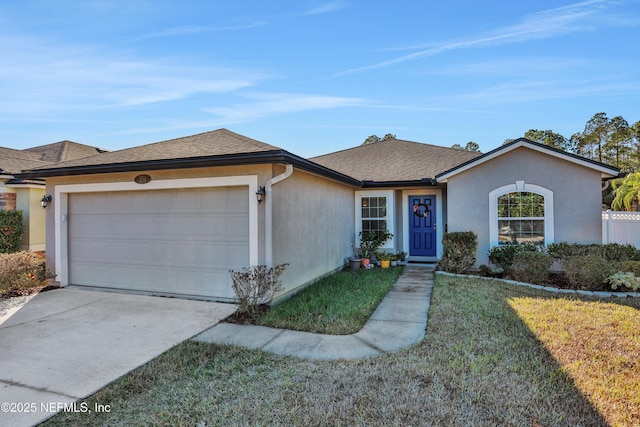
column 365, row 262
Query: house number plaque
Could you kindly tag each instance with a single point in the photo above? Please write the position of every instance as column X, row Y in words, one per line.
column 142, row 179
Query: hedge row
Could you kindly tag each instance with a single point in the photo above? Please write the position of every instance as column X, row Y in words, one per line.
column 11, row 230
column 586, row 266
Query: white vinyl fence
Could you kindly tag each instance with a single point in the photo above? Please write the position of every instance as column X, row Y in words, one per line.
column 621, row 227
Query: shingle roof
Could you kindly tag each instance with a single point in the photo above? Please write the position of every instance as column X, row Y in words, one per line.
column 215, row 143
column 63, row 151
column 394, row 160
column 13, row 161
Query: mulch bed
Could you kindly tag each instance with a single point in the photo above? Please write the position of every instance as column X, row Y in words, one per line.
column 246, row 318
column 21, row 292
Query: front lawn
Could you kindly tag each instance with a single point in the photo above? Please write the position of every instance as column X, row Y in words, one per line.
column 486, row 360
column 338, row 304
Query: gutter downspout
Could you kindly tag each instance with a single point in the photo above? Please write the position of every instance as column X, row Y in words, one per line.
column 268, row 213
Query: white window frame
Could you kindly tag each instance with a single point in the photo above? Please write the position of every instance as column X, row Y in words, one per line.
column 389, row 244
column 521, row 186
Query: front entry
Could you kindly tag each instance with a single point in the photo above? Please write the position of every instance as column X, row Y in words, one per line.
column 422, row 226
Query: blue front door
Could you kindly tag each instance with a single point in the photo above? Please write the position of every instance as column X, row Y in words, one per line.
column 422, row 226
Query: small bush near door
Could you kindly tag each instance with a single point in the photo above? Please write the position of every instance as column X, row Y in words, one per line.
column 459, row 251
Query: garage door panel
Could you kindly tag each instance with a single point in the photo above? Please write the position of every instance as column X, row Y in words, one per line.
column 169, row 241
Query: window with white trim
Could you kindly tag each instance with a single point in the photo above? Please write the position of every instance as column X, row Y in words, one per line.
column 521, row 218
column 521, row 213
column 375, row 212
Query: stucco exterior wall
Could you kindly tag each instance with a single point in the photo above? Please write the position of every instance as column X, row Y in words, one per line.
column 577, row 196
column 313, row 226
column 33, row 218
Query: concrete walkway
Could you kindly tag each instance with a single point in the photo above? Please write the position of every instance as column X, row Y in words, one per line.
column 399, row 322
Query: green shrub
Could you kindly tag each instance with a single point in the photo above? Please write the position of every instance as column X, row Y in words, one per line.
column 610, row 251
column 627, row 280
column 618, row 252
column 628, row 267
column 588, row 271
column 20, row 270
column 11, row 230
column 563, row 250
column 504, row 255
column 459, row 251
column 531, row 267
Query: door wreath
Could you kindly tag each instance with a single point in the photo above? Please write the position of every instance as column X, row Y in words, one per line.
column 421, row 210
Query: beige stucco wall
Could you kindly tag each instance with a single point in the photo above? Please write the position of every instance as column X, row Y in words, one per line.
column 313, row 226
column 33, row 218
column 577, row 196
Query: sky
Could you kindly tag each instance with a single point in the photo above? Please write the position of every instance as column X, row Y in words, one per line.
column 313, row 77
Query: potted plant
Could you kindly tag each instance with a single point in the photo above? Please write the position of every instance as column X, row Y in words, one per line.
column 356, row 259
column 394, row 260
column 370, row 241
column 366, row 258
column 384, row 258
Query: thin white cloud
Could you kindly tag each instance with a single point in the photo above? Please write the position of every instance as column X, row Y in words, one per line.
column 546, row 24
column 325, row 8
column 546, row 90
column 38, row 76
column 280, row 103
column 194, row 29
column 520, row 65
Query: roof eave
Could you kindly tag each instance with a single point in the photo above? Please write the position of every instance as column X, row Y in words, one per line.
column 264, row 157
column 606, row 171
column 424, row 182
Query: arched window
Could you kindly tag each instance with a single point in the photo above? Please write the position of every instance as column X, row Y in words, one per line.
column 521, row 213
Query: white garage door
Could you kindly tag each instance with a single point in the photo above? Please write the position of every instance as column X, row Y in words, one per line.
column 180, row 241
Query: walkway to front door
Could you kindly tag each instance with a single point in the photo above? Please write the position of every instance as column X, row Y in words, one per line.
column 422, row 226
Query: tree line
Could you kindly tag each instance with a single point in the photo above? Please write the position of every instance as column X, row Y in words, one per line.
column 612, row 141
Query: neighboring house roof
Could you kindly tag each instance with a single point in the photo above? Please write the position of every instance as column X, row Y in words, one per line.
column 64, row 150
column 606, row 171
column 13, row 161
column 395, row 161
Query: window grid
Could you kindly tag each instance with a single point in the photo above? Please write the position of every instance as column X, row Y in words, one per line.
column 374, row 214
column 521, row 218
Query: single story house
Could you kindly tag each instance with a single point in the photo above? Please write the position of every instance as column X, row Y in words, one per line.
column 174, row 217
column 26, row 194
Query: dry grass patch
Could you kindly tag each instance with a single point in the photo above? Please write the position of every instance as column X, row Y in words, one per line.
column 598, row 344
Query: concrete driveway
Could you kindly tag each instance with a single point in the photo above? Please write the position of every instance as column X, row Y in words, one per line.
column 63, row 345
